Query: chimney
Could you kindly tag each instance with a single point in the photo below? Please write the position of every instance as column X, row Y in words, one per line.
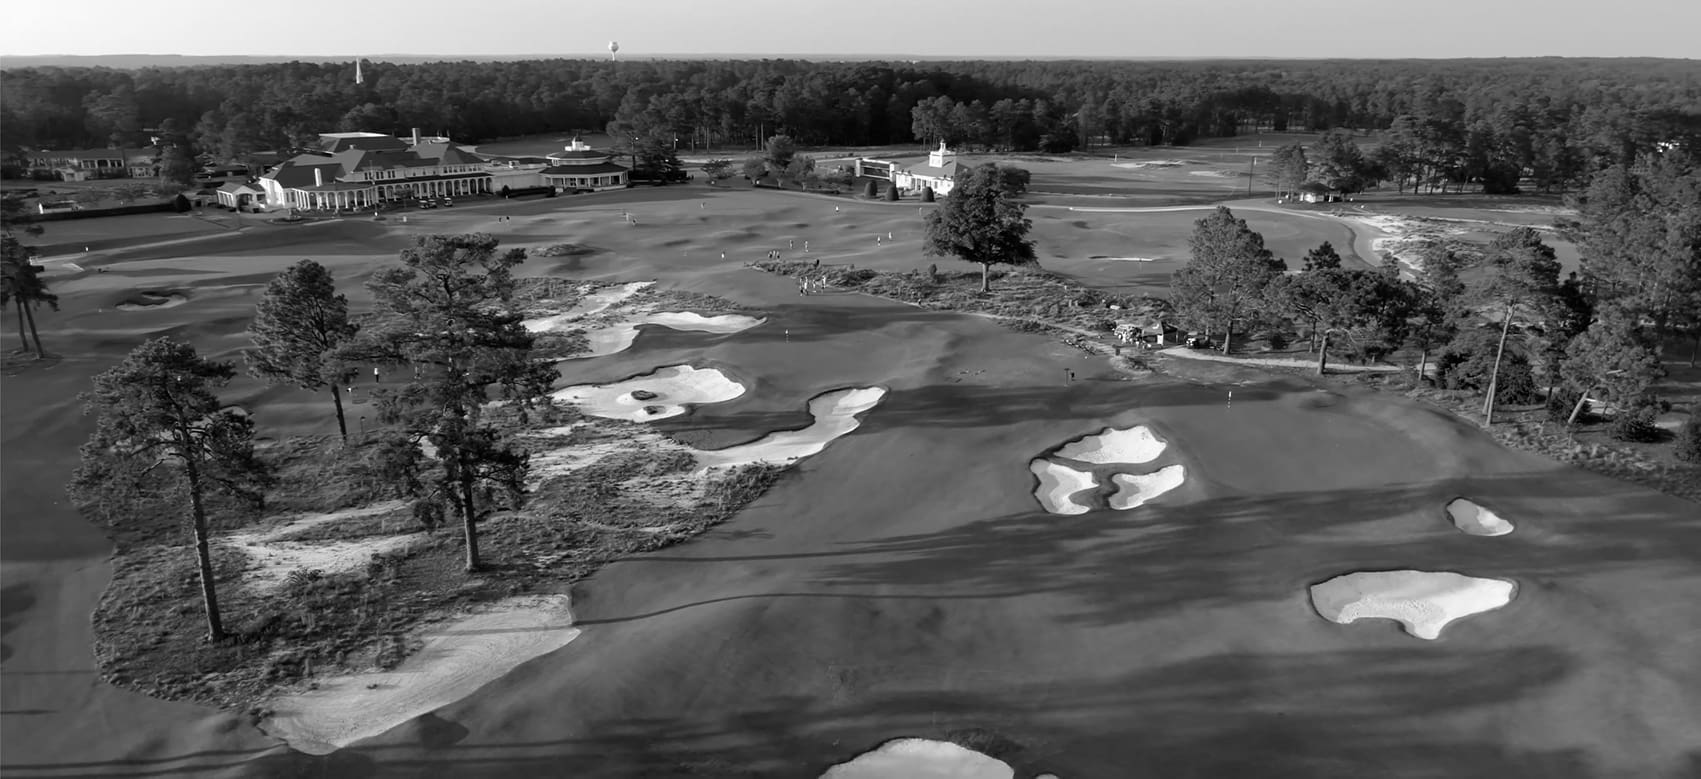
column 318, row 177
column 416, row 136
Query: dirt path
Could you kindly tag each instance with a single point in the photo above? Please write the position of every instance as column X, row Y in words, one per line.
column 1185, row 353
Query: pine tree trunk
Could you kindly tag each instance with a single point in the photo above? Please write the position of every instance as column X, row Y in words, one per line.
column 1578, row 409
column 29, row 313
column 203, row 555
column 1323, row 356
column 23, row 332
column 337, row 398
column 1423, row 365
column 986, row 277
column 1494, row 375
column 1228, row 335
column 468, row 514
column 1696, row 349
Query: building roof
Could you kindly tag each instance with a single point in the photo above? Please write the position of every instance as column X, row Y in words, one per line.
column 946, row 171
column 445, row 153
column 240, row 187
column 583, row 154
column 582, row 170
column 380, row 159
column 339, row 142
column 337, row 186
column 297, row 172
column 80, row 154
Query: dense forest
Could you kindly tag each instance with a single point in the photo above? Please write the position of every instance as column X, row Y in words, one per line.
column 1566, row 116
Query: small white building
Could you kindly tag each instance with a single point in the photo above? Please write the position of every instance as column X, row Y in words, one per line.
column 239, row 194
column 939, row 174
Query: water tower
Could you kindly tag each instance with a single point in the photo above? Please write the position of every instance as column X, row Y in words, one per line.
column 613, row 49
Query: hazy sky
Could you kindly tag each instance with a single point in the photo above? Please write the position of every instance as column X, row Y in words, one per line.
column 966, row 28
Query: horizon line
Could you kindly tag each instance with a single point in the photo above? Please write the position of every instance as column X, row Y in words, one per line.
column 842, row 55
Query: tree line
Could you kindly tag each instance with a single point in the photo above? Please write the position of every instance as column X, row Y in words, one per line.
column 1503, row 322
column 1572, row 116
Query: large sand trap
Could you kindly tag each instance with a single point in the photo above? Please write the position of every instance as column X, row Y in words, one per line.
column 456, row 659
column 917, row 758
column 607, row 338
column 835, row 416
column 271, row 561
column 153, row 301
column 674, row 388
column 593, row 303
column 1476, row 520
column 1424, row 601
column 619, row 337
column 1134, row 489
column 1129, row 445
column 1057, row 483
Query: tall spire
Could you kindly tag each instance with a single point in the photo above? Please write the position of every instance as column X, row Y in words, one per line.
column 358, row 78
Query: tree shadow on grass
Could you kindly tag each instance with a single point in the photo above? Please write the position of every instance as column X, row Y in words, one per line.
column 1318, row 715
column 1117, row 567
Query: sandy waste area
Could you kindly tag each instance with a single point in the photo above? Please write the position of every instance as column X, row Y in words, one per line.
column 458, row 657
column 271, row 559
column 612, row 333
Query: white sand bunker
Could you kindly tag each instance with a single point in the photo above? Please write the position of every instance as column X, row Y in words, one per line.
column 1135, row 489
column 918, row 758
column 1423, row 601
column 593, row 303
column 271, row 561
column 1129, row 445
column 619, row 337
column 835, row 416
column 1058, row 484
column 149, row 301
column 1476, row 520
column 1127, row 259
column 665, row 392
column 456, row 659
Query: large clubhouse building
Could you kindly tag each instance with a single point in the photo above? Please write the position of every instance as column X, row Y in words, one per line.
column 358, row 170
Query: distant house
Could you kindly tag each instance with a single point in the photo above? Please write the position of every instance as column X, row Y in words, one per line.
column 240, row 194
column 86, row 164
column 1317, row 192
column 1148, row 332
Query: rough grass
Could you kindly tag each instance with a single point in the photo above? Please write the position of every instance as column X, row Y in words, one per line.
column 1583, row 446
column 150, row 625
column 1034, row 295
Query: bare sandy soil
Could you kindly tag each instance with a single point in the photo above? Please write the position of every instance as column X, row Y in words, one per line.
column 904, row 583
